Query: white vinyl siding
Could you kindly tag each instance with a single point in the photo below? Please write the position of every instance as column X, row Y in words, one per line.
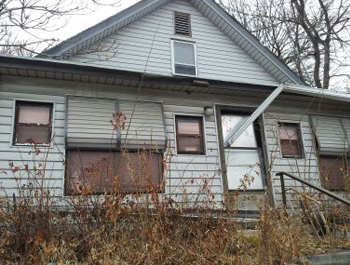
column 145, row 46
column 305, row 167
column 49, row 161
column 185, row 174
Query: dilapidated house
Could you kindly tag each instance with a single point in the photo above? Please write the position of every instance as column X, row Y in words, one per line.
column 183, row 79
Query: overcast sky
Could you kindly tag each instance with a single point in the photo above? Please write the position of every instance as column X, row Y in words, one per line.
column 79, row 23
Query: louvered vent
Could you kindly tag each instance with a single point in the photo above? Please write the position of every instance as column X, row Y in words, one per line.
column 182, row 24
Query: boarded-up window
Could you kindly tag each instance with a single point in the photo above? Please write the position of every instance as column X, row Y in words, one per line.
column 189, row 135
column 141, row 124
column 97, row 172
column 290, row 140
column 335, row 172
column 182, row 23
column 332, row 134
column 33, row 123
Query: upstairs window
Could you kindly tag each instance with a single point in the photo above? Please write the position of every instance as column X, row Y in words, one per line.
column 189, row 135
column 33, row 123
column 290, row 140
column 182, row 24
column 184, row 58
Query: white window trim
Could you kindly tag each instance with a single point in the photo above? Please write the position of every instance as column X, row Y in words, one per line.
column 28, row 145
column 204, row 133
column 173, row 58
column 302, row 142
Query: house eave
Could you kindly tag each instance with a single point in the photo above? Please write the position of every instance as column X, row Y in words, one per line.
column 63, row 70
column 59, row 69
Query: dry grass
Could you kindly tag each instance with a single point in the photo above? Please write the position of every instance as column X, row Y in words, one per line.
column 109, row 231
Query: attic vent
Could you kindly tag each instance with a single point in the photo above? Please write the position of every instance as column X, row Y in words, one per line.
column 182, row 23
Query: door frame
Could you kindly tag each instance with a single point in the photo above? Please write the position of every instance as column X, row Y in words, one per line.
column 261, row 142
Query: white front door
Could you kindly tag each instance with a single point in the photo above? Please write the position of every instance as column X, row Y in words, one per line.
column 243, row 157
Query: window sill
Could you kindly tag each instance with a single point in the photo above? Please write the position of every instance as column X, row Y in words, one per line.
column 44, row 146
column 292, row 157
column 184, row 75
column 190, row 154
column 247, row 190
column 178, row 37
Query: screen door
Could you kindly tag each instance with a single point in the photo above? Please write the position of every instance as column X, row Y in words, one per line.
column 243, row 157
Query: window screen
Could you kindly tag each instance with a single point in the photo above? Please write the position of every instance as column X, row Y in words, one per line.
column 189, row 135
column 184, row 58
column 33, row 123
column 290, row 140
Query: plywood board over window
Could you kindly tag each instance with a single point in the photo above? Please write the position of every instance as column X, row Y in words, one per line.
column 332, row 135
column 335, row 172
column 114, row 146
column 99, row 172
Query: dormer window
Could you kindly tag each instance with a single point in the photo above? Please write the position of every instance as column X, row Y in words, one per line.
column 184, row 58
column 182, row 24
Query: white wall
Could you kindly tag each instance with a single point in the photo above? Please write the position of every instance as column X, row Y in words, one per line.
column 147, row 42
column 185, row 175
column 305, row 167
column 49, row 162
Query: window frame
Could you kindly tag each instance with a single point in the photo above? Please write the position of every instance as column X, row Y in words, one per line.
column 15, row 116
column 203, row 131
column 301, row 139
column 173, row 62
column 259, row 127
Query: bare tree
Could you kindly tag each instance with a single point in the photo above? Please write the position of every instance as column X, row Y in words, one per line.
column 310, row 36
column 23, row 23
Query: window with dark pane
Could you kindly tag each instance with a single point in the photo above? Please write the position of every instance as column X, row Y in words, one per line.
column 189, row 135
column 182, row 24
column 33, row 123
column 290, row 140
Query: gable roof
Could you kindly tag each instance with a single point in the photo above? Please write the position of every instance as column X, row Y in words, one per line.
column 209, row 8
